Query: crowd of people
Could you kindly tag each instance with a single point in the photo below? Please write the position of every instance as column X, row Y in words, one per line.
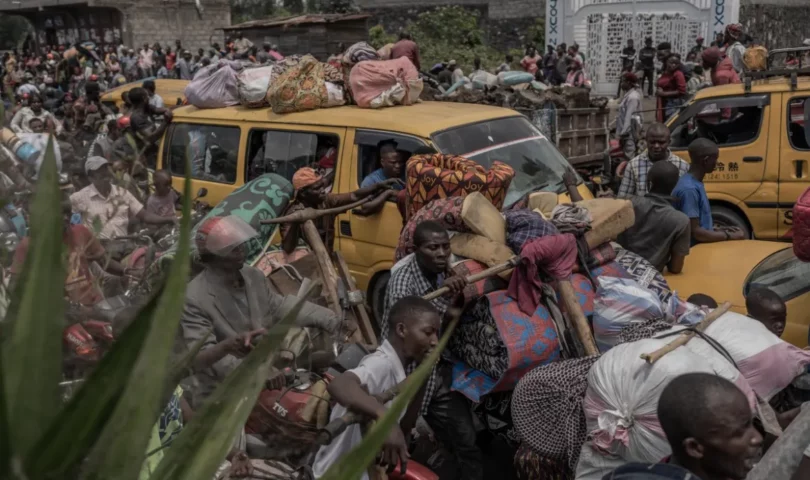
column 705, row 418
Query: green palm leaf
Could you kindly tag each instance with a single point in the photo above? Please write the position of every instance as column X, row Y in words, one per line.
column 121, row 448
column 74, row 432
column 32, row 351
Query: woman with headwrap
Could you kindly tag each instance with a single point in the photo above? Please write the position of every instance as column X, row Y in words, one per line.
column 671, row 88
column 576, row 76
column 734, row 49
column 310, row 192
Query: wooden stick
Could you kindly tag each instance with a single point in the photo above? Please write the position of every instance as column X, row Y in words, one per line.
column 363, row 320
column 328, row 274
column 576, row 316
column 306, row 214
column 684, row 338
column 490, row 272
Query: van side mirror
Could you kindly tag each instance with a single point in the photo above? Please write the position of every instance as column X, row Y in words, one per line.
column 202, row 192
column 806, row 120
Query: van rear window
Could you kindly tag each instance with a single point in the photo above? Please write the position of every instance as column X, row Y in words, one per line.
column 213, row 149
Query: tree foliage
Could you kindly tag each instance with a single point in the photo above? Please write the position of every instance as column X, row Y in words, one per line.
column 13, row 29
column 444, row 34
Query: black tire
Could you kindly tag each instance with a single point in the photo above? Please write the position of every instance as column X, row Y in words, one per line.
column 726, row 217
column 376, row 299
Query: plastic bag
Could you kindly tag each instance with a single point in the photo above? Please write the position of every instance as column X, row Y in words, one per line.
column 619, row 303
column 622, row 400
column 481, row 79
column 335, row 95
column 756, row 58
column 768, row 363
column 215, row 86
column 514, row 78
column 252, row 85
column 39, row 141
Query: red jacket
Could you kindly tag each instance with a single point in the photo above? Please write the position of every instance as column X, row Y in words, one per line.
column 723, row 73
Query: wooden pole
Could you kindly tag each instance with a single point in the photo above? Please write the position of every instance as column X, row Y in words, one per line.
column 363, row 320
column 684, row 338
column 576, row 316
column 313, row 213
column 328, row 273
column 490, row 272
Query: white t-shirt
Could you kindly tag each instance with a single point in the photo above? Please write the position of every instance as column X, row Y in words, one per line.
column 378, row 372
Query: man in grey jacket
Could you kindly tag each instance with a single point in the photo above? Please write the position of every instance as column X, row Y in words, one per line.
column 230, row 299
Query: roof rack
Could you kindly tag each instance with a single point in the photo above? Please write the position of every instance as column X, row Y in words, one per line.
column 784, row 72
column 791, row 73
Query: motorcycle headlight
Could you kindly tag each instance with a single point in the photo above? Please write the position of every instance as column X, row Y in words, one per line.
column 9, row 240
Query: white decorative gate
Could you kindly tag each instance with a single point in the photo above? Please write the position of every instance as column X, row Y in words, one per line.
column 602, row 28
column 607, row 34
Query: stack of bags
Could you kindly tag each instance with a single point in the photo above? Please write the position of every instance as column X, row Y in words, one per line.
column 300, row 83
column 497, row 341
column 622, row 396
column 291, row 85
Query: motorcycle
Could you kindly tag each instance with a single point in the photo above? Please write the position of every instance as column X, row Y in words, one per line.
column 288, row 425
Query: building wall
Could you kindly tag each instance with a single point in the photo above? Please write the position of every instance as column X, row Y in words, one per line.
column 150, row 21
column 776, row 23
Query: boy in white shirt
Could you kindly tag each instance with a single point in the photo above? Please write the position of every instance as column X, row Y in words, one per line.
column 413, row 332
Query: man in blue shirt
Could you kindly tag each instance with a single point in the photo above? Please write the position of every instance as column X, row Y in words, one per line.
column 692, row 199
column 390, row 166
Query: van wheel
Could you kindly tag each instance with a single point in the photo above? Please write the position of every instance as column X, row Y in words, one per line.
column 377, row 299
column 726, row 217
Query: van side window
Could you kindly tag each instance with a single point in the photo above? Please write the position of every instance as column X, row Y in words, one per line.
column 283, row 152
column 213, row 150
column 795, row 124
column 368, row 142
column 725, row 121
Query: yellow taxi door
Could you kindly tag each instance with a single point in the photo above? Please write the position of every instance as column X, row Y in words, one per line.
column 367, row 243
column 743, row 188
column 794, row 165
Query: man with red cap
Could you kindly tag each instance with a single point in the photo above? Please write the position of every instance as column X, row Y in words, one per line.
column 698, row 48
column 310, row 192
column 229, row 299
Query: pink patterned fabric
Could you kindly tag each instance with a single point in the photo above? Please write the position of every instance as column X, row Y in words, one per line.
column 371, row 78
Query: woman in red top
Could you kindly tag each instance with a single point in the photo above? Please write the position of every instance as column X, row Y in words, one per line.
column 171, row 61
column 529, row 62
column 671, row 91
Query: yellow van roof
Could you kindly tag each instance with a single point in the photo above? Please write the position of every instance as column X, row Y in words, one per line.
column 422, row 119
column 165, row 87
column 770, row 85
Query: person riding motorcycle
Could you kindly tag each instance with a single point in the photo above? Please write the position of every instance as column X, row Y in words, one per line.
column 86, row 281
column 108, row 207
column 229, row 298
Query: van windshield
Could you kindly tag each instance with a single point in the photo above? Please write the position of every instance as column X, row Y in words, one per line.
column 515, row 141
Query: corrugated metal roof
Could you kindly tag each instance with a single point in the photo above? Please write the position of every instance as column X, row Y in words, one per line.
column 298, row 20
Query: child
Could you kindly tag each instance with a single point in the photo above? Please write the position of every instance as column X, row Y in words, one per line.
column 768, row 308
column 696, row 81
column 165, row 199
column 413, row 332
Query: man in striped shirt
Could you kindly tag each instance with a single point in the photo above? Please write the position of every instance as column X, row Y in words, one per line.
column 635, row 175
